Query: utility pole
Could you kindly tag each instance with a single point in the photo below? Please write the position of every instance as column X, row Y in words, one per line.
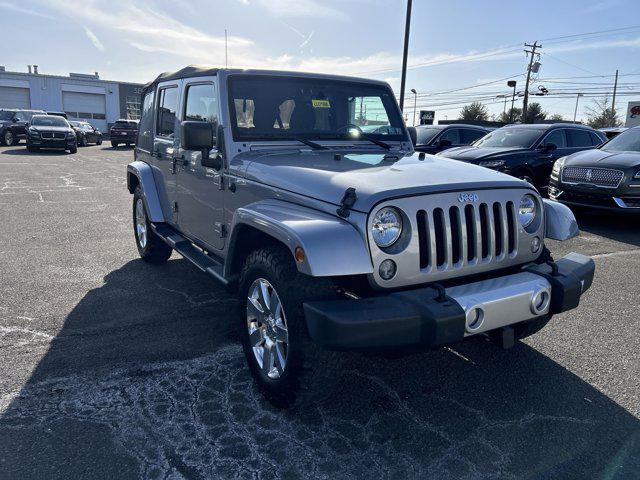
column 405, row 53
column 575, row 113
column 415, row 104
column 525, row 102
column 226, row 56
column 613, row 103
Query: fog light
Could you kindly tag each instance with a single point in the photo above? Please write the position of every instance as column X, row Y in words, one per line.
column 535, row 244
column 387, row 269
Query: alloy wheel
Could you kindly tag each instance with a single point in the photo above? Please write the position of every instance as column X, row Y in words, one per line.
column 8, row 137
column 141, row 223
column 267, row 328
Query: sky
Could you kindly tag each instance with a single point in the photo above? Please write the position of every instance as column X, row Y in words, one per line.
column 468, row 46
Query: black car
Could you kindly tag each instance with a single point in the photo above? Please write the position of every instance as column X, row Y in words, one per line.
column 58, row 114
column 528, row 151
column 50, row 131
column 13, row 124
column 436, row 138
column 612, row 131
column 606, row 178
column 124, row 131
column 86, row 133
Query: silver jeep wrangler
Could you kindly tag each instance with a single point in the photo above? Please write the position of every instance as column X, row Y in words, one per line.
column 304, row 193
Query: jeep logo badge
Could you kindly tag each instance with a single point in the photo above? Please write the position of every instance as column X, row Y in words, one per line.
column 468, row 197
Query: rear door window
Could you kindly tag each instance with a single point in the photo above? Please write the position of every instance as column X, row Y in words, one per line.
column 452, row 135
column 557, row 137
column 579, row 138
column 595, row 139
column 167, row 103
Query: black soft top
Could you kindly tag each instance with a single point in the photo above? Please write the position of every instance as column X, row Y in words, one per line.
column 186, row 72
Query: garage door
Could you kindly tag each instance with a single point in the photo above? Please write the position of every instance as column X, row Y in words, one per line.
column 14, row 97
column 86, row 106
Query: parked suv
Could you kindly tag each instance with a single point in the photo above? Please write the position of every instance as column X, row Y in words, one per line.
column 13, row 124
column 528, row 151
column 334, row 237
column 86, row 133
column 436, row 138
column 50, row 131
column 123, row 131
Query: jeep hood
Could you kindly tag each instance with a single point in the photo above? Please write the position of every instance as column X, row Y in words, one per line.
column 601, row 158
column 476, row 154
column 375, row 176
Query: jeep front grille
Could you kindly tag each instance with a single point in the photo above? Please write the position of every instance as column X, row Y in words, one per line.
column 601, row 177
column 466, row 235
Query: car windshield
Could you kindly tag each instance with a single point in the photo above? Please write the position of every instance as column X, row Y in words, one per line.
column 6, row 114
column 268, row 107
column 510, row 137
column 48, row 121
column 427, row 134
column 628, row 141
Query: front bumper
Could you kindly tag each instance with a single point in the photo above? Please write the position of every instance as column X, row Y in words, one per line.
column 624, row 199
column 65, row 143
column 416, row 317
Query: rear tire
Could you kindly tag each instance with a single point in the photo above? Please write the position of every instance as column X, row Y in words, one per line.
column 114, row 144
column 9, row 139
column 99, row 142
column 73, row 149
column 295, row 364
column 151, row 248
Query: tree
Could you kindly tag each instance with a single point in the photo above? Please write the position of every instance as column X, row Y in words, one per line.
column 601, row 115
column 535, row 114
column 511, row 115
column 556, row 117
column 474, row 111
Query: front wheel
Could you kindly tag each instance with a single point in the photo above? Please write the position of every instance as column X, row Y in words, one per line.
column 114, row 144
column 281, row 358
column 9, row 138
column 150, row 247
column 99, row 141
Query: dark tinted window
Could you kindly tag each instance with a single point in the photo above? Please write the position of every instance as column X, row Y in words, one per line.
column 167, row 103
column 126, row 125
column 452, row 135
column 470, row 135
column 426, row 134
column 507, row 137
column 628, row 141
column 201, row 104
column 557, row 137
column 145, row 132
column 579, row 138
column 49, row 121
column 595, row 139
column 6, row 115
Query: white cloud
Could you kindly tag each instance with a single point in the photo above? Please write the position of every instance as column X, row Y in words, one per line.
column 95, row 40
column 297, row 8
column 19, row 9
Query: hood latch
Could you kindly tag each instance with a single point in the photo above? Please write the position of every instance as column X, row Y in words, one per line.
column 348, row 200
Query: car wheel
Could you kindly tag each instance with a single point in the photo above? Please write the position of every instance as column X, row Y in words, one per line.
column 82, row 142
column 73, row 149
column 8, row 138
column 114, row 144
column 281, row 358
column 99, row 141
column 151, row 248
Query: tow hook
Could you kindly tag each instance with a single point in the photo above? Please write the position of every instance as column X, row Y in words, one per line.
column 504, row 338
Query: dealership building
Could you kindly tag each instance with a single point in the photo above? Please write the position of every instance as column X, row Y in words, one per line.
column 82, row 96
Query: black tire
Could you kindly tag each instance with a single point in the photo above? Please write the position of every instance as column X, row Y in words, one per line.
column 73, row 149
column 114, row 144
column 8, row 138
column 99, row 142
column 306, row 363
column 153, row 249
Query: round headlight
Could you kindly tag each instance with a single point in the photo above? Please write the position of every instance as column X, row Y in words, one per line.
column 386, row 227
column 528, row 210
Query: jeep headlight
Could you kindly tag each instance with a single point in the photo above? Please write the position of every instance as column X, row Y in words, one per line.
column 492, row 163
column 386, row 226
column 528, row 210
column 557, row 167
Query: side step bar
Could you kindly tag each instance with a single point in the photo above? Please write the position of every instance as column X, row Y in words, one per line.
column 184, row 247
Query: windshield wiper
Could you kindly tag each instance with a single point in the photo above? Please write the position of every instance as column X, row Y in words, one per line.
column 314, row 145
column 382, row 144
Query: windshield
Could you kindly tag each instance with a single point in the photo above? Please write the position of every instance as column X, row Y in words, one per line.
column 267, row 107
column 510, row 137
column 6, row 114
column 427, row 134
column 628, row 141
column 48, row 121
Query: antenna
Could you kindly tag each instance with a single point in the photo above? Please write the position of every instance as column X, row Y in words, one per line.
column 226, row 54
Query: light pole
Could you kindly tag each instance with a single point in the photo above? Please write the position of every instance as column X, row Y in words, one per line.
column 575, row 113
column 415, row 103
column 512, row 83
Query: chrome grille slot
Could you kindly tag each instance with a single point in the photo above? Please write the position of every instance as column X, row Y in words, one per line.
column 466, row 236
column 601, row 177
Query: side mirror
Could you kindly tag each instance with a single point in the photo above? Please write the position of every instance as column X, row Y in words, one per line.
column 444, row 143
column 197, row 136
column 413, row 135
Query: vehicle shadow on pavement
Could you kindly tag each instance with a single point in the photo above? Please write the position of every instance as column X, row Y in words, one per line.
column 146, row 379
column 22, row 150
column 615, row 226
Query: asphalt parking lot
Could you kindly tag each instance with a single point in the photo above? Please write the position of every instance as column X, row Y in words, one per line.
column 112, row 368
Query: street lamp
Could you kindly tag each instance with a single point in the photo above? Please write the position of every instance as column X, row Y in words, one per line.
column 512, row 83
column 575, row 113
column 415, row 103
